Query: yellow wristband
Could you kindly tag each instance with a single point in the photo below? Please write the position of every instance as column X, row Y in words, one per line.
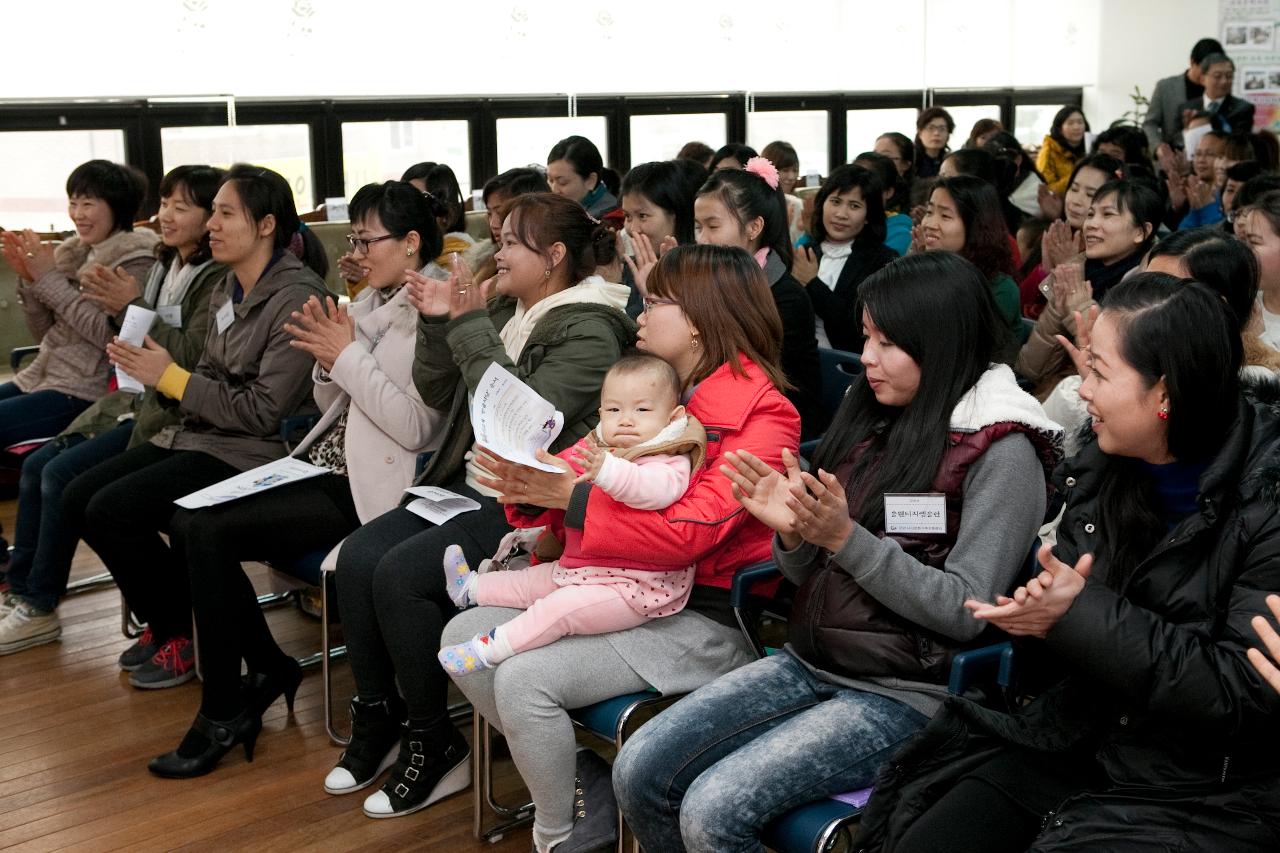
column 173, row 382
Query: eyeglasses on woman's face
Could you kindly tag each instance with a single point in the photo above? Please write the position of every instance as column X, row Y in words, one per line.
column 362, row 244
column 651, row 302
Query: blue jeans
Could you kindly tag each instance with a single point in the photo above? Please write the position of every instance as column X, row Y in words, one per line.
column 40, row 414
column 44, row 542
column 711, row 771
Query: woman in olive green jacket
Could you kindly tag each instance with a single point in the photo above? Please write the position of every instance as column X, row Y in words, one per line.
column 556, row 326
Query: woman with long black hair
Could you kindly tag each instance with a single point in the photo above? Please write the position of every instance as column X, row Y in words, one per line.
column 880, row 608
column 1158, row 733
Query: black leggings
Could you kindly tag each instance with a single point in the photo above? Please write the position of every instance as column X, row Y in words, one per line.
column 394, row 606
column 279, row 526
column 133, row 504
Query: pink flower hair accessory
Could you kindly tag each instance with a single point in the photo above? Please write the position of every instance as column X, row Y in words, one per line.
column 763, row 167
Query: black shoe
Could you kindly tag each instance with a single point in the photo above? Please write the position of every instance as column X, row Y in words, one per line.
column 260, row 690
column 595, row 808
column 425, row 771
column 220, row 737
column 375, row 741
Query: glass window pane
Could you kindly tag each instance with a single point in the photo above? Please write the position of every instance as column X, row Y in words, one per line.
column 374, row 151
column 1032, row 122
column 526, row 141
column 866, row 126
column 660, row 137
column 804, row 129
column 34, row 196
column 283, row 148
column 966, row 118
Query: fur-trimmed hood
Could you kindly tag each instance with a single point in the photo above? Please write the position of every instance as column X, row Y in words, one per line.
column 996, row 398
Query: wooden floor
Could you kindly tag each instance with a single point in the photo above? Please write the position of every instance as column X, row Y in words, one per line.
column 75, row 739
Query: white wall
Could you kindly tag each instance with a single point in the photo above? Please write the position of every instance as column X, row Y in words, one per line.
column 306, row 48
column 399, row 47
column 1140, row 41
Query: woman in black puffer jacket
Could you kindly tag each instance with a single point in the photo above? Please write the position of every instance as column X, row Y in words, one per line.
column 1161, row 734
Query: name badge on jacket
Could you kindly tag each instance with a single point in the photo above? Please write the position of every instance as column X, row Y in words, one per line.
column 171, row 315
column 915, row 513
column 226, row 316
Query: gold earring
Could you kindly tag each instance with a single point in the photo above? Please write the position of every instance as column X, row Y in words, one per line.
column 546, row 273
column 693, row 344
column 408, row 253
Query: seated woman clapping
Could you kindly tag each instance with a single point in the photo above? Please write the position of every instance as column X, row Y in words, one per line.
column 50, row 510
column 231, row 405
column 373, row 427
column 929, row 488
column 1159, row 733
column 70, row 371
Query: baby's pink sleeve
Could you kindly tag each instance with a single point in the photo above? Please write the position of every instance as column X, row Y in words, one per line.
column 656, row 482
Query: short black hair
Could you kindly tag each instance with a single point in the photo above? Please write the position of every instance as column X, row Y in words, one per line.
column 1203, row 48
column 1220, row 262
column 123, row 188
column 401, row 208
column 737, row 150
column 514, row 182
column 199, row 185
column 842, row 179
column 672, row 187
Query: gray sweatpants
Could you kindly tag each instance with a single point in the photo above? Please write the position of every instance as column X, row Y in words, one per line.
column 526, row 696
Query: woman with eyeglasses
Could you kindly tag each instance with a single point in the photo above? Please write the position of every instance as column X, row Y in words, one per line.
column 373, row 427
column 710, row 316
column 934, row 127
column 547, row 319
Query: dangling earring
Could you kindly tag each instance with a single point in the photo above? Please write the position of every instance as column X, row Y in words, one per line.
column 693, row 343
column 1163, row 414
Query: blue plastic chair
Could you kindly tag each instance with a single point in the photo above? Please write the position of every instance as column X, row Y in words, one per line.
column 815, row 827
column 839, row 369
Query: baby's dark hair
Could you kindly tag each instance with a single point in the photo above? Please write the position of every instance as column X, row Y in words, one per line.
column 640, row 362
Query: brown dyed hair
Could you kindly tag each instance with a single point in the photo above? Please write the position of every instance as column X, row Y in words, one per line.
column 725, row 295
column 541, row 219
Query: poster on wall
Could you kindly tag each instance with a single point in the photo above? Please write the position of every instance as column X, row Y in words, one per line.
column 1247, row 29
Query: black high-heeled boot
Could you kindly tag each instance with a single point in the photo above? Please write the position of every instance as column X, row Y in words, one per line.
column 220, row 737
column 260, row 689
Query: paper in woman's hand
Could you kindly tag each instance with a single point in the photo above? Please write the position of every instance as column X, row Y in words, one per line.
column 512, row 420
column 133, row 330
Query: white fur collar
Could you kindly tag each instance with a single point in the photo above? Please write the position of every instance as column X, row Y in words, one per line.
column 996, row 398
column 670, row 432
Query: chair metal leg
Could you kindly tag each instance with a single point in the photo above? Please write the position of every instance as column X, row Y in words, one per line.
column 326, row 656
column 482, row 790
column 129, row 626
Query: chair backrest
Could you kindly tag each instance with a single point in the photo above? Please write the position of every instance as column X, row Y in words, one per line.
column 478, row 224
column 839, row 368
column 1025, row 327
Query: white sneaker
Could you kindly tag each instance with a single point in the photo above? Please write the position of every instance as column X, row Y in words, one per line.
column 26, row 627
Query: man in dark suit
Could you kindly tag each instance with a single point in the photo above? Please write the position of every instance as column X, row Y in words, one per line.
column 1228, row 113
column 1164, row 121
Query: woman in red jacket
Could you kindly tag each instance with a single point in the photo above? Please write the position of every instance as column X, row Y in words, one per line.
column 709, row 314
